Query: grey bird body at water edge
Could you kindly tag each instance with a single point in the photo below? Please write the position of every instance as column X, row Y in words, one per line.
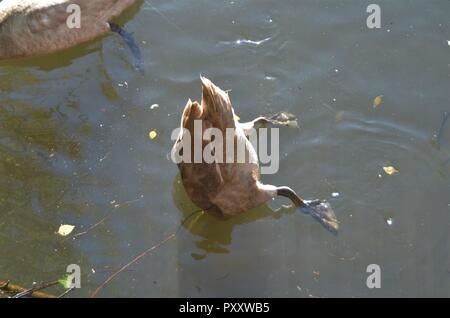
column 39, row 27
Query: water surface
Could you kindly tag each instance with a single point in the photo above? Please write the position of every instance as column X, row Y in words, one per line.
column 74, row 147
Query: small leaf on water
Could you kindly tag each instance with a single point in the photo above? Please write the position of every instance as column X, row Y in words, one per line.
column 66, row 281
column 377, row 101
column 339, row 116
column 152, row 134
column 390, row 170
column 65, row 229
column 237, row 117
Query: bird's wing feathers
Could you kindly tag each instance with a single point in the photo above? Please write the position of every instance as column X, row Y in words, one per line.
column 216, row 106
column 214, row 179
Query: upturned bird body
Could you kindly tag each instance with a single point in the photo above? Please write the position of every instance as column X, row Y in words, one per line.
column 230, row 186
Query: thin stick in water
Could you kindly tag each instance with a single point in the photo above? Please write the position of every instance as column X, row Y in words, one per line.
column 144, row 253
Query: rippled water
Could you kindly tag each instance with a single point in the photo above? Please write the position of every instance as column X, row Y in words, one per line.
column 74, row 147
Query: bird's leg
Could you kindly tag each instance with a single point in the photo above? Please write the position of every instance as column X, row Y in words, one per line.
column 279, row 119
column 131, row 42
column 320, row 210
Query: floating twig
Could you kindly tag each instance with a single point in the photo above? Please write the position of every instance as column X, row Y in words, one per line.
column 34, row 292
column 144, row 253
column 66, row 292
column 106, row 217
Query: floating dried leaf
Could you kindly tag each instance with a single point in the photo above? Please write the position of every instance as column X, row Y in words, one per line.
column 152, row 134
column 377, row 101
column 339, row 116
column 65, row 229
column 390, row 170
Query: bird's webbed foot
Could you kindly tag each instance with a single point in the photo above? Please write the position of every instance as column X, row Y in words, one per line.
column 322, row 211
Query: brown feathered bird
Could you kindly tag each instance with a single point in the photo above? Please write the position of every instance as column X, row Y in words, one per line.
column 36, row 27
column 230, row 188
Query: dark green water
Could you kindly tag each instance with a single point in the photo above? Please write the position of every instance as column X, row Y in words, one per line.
column 74, row 144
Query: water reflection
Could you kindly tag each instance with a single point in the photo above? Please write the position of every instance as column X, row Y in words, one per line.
column 74, row 142
column 33, row 194
column 213, row 230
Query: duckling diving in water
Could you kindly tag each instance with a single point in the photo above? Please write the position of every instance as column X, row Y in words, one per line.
column 231, row 188
column 38, row 27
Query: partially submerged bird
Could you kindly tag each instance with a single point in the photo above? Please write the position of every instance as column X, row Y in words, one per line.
column 37, row 27
column 231, row 188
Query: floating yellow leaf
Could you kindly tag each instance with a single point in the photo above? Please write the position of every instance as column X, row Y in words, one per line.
column 237, row 117
column 65, row 229
column 390, row 170
column 152, row 134
column 377, row 101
